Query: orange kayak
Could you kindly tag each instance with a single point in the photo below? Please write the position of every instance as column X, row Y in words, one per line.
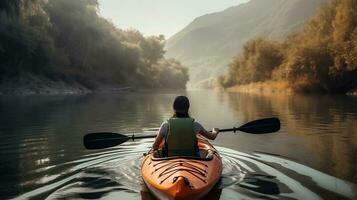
column 182, row 177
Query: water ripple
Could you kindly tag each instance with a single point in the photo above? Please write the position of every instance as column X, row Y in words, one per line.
column 115, row 173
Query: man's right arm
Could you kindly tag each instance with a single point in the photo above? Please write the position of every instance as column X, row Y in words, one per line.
column 160, row 136
column 209, row 135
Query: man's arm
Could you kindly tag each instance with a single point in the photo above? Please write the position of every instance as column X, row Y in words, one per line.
column 157, row 142
column 209, row 135
column 160, row 136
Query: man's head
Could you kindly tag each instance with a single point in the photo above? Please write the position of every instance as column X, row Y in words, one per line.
column 181, row 104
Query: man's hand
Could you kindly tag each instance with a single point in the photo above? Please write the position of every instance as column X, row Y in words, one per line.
column 215, row 131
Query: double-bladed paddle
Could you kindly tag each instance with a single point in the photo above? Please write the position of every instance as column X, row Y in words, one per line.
column 102, row 140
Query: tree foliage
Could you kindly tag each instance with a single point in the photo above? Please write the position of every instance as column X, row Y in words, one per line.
column 259, row 59
column 68, row 40
column 320, row 58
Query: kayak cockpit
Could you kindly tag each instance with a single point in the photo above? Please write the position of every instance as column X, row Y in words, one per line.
column 203, row 154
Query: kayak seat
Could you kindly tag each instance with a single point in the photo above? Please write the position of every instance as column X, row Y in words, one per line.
column 204, row 154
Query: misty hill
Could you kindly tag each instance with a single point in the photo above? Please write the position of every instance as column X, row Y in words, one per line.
column 208, row 43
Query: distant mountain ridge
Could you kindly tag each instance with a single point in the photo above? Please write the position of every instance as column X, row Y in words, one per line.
column 208, row 44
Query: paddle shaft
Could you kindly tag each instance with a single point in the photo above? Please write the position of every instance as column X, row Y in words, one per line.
column 266, row 125
column 234, row 129
column 133, row 137
column 108, row 139
column 242, row 128
column 128, row 137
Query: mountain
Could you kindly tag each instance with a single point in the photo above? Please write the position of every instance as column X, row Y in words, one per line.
column 208, row 44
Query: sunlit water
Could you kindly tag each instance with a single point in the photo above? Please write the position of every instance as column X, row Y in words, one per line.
column 312, row 157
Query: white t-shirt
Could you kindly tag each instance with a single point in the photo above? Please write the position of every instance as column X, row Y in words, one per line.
column 164, row 128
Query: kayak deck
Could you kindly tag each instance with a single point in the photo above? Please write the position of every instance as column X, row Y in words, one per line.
column 182, row 177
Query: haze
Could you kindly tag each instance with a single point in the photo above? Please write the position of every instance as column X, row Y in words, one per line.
column 155, row 17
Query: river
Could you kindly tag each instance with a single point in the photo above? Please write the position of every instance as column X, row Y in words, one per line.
column 313, row 156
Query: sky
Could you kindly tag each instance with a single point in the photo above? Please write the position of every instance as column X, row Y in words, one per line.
column 155, row 17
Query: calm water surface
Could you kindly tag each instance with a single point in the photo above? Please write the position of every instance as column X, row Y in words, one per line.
column 314, row 156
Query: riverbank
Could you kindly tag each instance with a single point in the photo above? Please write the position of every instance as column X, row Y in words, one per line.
column 263, row 88
column 34, row 85
column 272, row 87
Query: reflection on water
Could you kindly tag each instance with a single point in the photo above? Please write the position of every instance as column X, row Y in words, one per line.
column 318, row 130
column 312, row 157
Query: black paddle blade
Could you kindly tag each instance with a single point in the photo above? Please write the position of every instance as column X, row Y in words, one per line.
column 261, row 126
column 103, row 140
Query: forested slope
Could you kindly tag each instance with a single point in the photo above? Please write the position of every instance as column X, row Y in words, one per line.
column 67, row 41
column 320, row 58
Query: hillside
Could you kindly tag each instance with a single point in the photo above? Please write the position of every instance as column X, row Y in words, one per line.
column 322, row 57
column 61, row 46
column 208, row 43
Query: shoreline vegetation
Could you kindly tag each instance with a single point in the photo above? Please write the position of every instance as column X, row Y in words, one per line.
column 65, row 46
column 322, row 58
column 270, row 88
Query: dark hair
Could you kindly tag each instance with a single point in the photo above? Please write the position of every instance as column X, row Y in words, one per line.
column 180, row 115
column 181, row 106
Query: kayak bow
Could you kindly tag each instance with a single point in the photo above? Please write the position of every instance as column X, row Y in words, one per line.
column 182, row 177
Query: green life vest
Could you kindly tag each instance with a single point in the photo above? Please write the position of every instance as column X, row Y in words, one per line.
column 181, row 140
